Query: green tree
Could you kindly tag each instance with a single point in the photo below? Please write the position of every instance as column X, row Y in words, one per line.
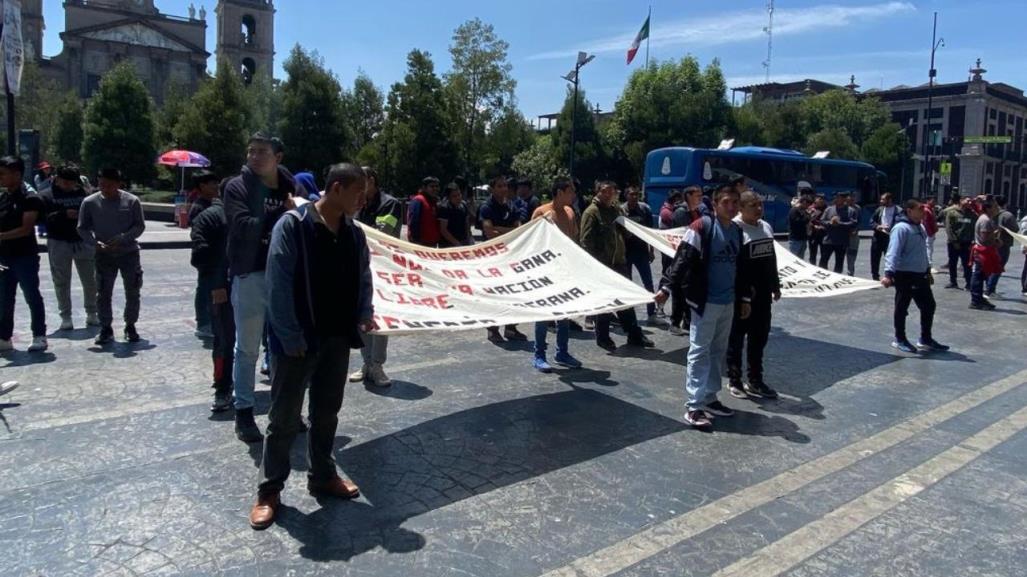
column 216, row 121
column 835, row 140
column 508, row 135
column 66, row 143
column 538, row 162
column 840, row 109
column 265, row 101
column 313, row 123
column 416, row 140
column 365, row 110
column 34, row 107
column 673, row 103
column 176, row 102
column 118, row 128
column 887, row 148
column 588, row 156
column 480, row 85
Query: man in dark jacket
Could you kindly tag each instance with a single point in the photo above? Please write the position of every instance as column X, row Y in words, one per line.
column 798, row 227
column 254, row 201
column 498, row 216
column 638, row 253
column 708, row 271
column 205, row 183
column 601, row 237
column 319, row 302
column 838, row 220
column 209, row 243
column 64, row 246
column 959, row 220
column 883, row 220
column 20, row 210
column 688, row 211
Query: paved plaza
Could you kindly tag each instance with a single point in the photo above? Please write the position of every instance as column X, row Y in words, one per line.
column 872, row 463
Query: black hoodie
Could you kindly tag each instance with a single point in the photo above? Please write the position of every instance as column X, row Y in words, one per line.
column 252, row 211
column 57, row 201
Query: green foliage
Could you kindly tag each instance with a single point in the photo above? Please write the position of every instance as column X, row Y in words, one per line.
column 507, row 136
column 887, row 148
column 538, row 162
column 118, row 129
column 216, row 121
column 34, row 107
column 671, row 104
column 265, row 101
column 313, row 123
column 416, row 140
column 835, row 140
column 588, row 155
column 479, row 85
column 841, row 110
column 176, row 102
column 365, row 110
column 66, row 143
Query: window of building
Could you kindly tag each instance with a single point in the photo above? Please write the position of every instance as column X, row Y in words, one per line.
column 249, row 70
column 989, row 168
column 249, row 29
column 992, row 113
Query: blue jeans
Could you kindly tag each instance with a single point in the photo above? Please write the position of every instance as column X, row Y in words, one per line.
column 798, row 247
column 708, row 342
column 249, row 303
column 21, row 271
column 563, row 328
column 976, row 284
column 640, row 261
column 1003, row 253
column 205, row 281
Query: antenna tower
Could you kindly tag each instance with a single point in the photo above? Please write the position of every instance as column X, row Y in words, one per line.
column 769, row 29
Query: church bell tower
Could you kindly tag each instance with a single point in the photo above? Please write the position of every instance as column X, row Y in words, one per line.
column 246, row 36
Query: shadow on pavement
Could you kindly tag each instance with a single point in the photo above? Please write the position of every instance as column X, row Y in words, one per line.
column 469, row 453
column 25, row 358
column 575, row 377
column 402, row 390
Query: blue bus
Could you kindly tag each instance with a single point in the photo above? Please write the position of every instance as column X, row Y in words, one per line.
column 772, row 173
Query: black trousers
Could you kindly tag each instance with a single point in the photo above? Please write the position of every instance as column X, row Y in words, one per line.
column 838, row 250
column 755, row 330
column 913, row 287
column 327, row 371
column 959, row 252
column 627, row 317
column 878, row 246
column 222, row 323
column 816, row 241
column 680, row 313
column 1023, row 275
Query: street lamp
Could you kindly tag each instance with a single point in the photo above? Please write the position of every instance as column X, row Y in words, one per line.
column 572, row 77
column 935, row 44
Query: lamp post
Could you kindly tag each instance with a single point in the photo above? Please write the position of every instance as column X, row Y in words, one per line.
column 572, row 77
column 935, row 44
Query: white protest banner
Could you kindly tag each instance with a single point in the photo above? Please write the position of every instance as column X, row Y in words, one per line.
column 534, row 273
column 1017, row 236
column 799, row 278
column 13, row 48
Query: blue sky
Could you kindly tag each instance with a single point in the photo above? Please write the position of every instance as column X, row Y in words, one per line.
column 883, row 42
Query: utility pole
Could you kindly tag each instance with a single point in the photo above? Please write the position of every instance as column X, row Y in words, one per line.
column 931, row 74
column 769, row 30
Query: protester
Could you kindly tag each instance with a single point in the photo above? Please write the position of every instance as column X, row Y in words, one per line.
column 852, row 251
column 638, row 253
column 559, row 211
column 383, row 212
column 906, row 267
column 254, row 201
column 817, row 230
column 205, row 185
column 65, row 247
column 422, row 221
column 838, row 221
column 685, row 214
column 930, row 226
column 798, row 226
column 667, row 221
column 44, row 178
column 759, row 258
column 959, row 221
column 707, row 268
column 20, row 210
column 498, row 217
column 1004, row 220
column 984, row 256
column 209, row 236
column 454, row 218
column 883, row 220
column 602, row 238
column 319, row 302
column 525, row 200
column 306, row 186
column 112, row 220
column 205, row 189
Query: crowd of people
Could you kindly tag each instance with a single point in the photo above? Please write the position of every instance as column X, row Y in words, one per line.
column 259, row 240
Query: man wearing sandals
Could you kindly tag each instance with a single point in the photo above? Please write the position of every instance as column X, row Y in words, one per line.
column 319, row 302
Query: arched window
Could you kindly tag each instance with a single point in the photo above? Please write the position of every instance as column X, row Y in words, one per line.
column 249, row 29
column 249, row 70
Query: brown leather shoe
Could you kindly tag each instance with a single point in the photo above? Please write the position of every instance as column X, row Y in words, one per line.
column 336, row 487
column 263, row 512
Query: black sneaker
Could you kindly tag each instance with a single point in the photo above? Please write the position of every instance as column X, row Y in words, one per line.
column 982, row 306
column 607, row 344
column 760, row 389
column 904, row 346
column 640, row 340
column 494, row 336
column 718, row 409
column 698, row 419
column 952, row 286
column 512, row 334
column 130, row 334
column 931, row 345
column 737, row 391
column 106, row 336
column 222, row 401
column 246, row 428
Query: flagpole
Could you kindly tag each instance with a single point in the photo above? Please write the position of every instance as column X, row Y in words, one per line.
column 649, row 19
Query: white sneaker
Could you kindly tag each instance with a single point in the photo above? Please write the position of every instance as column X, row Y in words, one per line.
column 38, row 345
column 358, row 376
column 677, row 331
column 8, row 387
column 92, row 320
column 67, row 325
column 378, row 377
column 6, row 345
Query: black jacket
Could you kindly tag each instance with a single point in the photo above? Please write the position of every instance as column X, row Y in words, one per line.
column 252, row 214
column 689, row 271
column 57, row 203
column 209, row 239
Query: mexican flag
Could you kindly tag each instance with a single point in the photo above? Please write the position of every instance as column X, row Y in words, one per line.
column 642, row 35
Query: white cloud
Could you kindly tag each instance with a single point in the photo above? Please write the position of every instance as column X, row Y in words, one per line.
column 741, row 26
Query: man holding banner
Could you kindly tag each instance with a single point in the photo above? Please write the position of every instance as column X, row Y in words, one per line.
column 707, row 270
column 498, row 217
